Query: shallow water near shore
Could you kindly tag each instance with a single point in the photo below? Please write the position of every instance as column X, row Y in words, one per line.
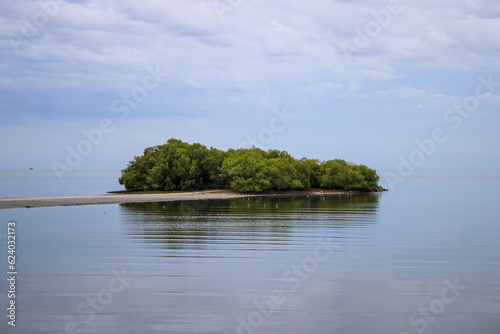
column 423, row 257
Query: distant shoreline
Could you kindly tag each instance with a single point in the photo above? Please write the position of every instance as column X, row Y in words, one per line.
column 118, row 197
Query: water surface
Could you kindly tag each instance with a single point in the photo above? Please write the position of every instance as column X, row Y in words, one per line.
column 374, row 263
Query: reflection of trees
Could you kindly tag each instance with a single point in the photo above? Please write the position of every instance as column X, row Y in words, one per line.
column 245, row 221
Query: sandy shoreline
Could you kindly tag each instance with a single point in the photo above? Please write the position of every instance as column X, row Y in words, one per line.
column 12, row 203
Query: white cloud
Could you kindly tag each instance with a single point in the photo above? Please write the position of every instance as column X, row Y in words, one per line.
column 263, row 54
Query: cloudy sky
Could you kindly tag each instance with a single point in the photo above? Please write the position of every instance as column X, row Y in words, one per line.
column 86, row 85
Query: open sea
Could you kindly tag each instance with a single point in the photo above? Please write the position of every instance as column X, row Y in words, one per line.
column 423, row 257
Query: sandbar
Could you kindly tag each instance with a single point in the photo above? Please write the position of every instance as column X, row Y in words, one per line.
column 142, row 197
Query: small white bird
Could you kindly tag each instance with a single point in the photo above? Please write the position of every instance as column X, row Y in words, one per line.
column 276, row 205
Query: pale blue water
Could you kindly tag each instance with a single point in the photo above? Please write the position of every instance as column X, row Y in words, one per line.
column 380, row 263
column 47, row 184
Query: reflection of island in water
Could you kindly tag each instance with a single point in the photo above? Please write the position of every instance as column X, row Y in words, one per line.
column 275, row 221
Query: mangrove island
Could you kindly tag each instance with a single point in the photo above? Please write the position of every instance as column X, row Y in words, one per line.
column 179, row 166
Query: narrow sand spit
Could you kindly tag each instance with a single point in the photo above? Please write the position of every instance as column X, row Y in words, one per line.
column 11, row 203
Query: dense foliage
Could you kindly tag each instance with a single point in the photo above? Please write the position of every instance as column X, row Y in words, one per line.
column 180, row 166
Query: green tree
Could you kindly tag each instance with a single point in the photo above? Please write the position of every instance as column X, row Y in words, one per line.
column 211, row 168
column 246, row 170
column 176, row 165
column 369, row 175
column 309, row 170
column 334, row 174
column 134, row 176
column 284, row 174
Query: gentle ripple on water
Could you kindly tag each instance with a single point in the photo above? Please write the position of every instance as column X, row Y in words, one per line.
column 206, row 266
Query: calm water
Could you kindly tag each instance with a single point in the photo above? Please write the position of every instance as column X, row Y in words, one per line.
column 47, row 184
column 424, row 257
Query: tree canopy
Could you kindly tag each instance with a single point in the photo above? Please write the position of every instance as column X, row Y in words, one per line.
column 181, row 166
